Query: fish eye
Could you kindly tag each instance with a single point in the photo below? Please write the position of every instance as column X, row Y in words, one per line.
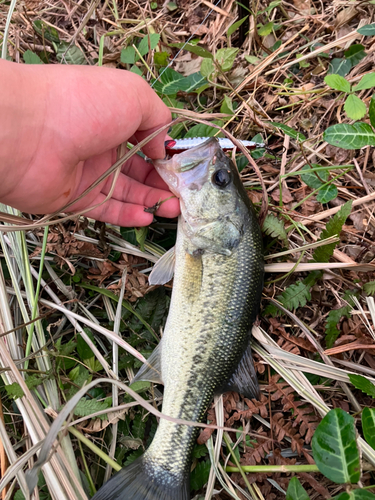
column 221, row 178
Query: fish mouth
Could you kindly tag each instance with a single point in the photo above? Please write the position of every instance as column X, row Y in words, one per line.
column 190, row 169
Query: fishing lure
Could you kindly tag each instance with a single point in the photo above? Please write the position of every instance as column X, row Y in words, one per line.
column 174, row 146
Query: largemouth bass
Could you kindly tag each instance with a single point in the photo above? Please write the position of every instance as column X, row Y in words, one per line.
column 218, row 278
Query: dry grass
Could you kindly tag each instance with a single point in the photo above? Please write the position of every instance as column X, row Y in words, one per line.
column 300, row 375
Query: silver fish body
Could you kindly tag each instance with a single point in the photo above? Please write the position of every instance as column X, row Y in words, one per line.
column 218, row 279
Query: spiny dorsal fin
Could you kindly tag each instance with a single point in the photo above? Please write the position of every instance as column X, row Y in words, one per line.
column 244, row 379
column 151, row 369
column 163, row 270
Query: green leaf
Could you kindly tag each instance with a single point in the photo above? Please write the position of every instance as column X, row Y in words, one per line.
column 148, row 43
column 136, row 70
column 366, row 82
column 335, row 449
column 227, row 106
column 141, row 235
column 327, row 193
column 133, row 456
column 289, row 131
column 346, row 136
column 193, row 82
column 363, row 384
column 339, row 67
column 355, row 54
column 199, row 451
column 266, row 29
column 69, row 54
column 140, row 386
column 311, row 178
column 235, row 26
column 337, row 82
column 201, row 130
column 83, row 350
column 161, row 58
column 170, row 82
column 367, row 30
column 207, row 67
column 333, row 227
column 194, row 49
column 128, row 55
column 199, row 476
column 355, row 495
column 295, row 295
column 139, row 426
column 34, row 381
column 296, row 491
column 333, row 318
column 371, row 111
column 31, row 58
column 14, row 390
column 369, row 288
column 225, row 58
column 46, row 31
column 368, row 425
column 86, row 407
column 354, row 107
column 252, row 59
column 275, row 228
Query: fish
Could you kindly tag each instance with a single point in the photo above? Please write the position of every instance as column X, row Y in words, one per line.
column 218, row 270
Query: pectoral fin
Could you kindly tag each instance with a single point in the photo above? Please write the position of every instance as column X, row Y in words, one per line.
column 163, row 270
column 151, row 369
column 244, row 380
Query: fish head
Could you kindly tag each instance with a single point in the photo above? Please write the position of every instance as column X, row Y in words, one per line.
column 214, row 203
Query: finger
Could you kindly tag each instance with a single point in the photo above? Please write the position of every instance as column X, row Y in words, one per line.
column 105, row 107
column 128, row 190
column 142, row 171
column 121, row 214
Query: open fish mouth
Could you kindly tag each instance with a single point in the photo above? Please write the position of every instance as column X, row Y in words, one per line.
column 189, row 169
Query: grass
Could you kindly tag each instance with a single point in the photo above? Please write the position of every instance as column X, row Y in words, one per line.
column 73, row 320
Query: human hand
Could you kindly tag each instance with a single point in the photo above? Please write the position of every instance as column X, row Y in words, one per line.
column 61, row 126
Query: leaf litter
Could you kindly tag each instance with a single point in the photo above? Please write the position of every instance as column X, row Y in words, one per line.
column 301, row 78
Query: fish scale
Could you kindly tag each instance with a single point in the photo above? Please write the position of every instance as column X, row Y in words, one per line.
column 218, row 277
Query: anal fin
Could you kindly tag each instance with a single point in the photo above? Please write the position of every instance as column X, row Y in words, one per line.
column 151, row 369
column 244, row 379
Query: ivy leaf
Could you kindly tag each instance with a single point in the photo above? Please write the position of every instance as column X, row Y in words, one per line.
column 366, row 82
column 199, row 476
column 363, row 384
column 289, row 131
column 347, row 136
column 337, row 82
column 275, row 228
column 335, row 448
column 369, row 287
column 169, row 83
column 327, row 193
column 368, row 425
column 354, row 107
column 333, row 227
column 296, row 491
column 194, row 81
column 311, row 178
column 226, row 57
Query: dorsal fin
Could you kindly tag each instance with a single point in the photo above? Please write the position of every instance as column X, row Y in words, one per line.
column 163, row 270
column 151, row 369
column 244, row 379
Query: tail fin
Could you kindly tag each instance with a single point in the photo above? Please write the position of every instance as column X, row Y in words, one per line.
column 140, row 481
